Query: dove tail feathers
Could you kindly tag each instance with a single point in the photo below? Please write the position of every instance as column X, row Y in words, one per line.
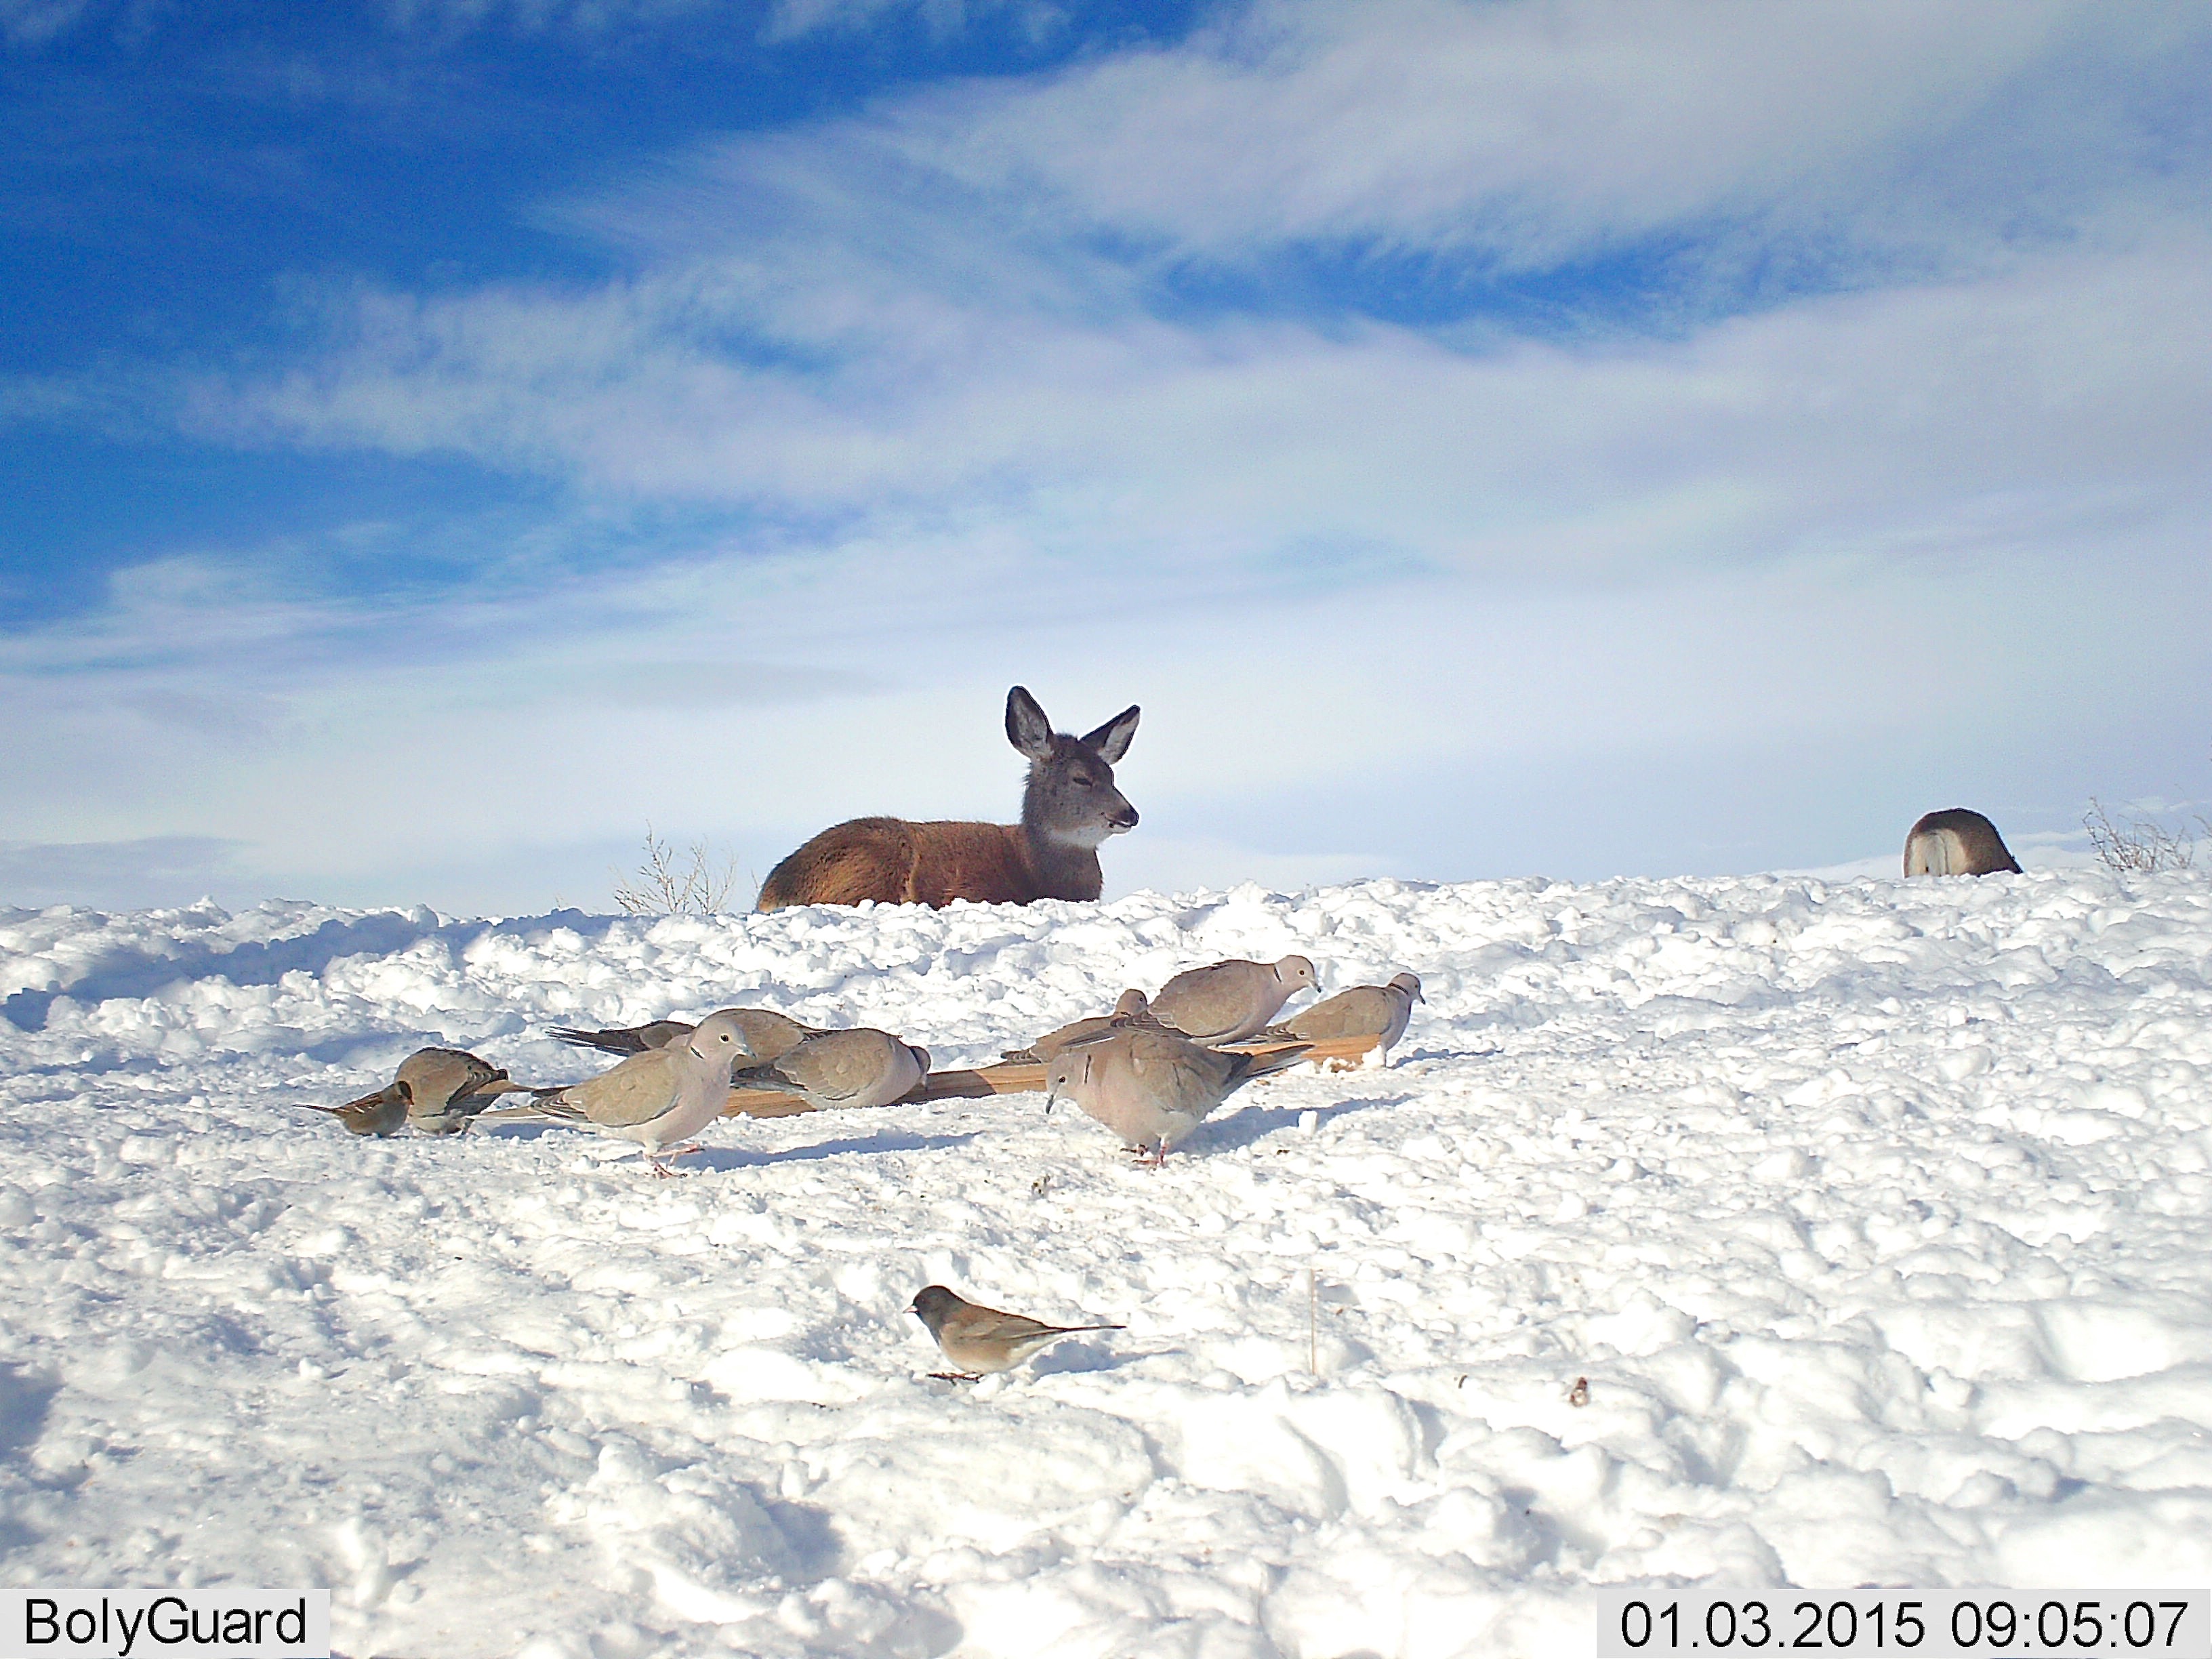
column 611, row 1042
column 1280, row 1059
column 538, row 1109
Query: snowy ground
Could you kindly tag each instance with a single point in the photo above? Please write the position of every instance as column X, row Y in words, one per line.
column 1874, row 1214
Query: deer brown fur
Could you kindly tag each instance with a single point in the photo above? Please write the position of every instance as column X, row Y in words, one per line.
column 1069, row 807
column 1956, row 841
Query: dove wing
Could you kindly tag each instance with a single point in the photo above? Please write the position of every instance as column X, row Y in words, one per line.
column 840, row 1070
column 1074, row 1032
column 1201, row 1003
column 437, row 1077
column 1222, row 1003
column 1361, row 1011
column 642, row 1088
column 768, row 1034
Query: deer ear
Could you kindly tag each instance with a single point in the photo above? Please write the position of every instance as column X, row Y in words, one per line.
column 1027, row 728
column 1111, row 740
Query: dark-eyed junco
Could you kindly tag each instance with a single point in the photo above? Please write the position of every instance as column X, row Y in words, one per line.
column 982, row 1340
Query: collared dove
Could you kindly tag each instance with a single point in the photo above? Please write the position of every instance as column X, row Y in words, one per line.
column 842, row 1069
column 446, row 1087
column 656, row 1098
column 435, row 1092
column 980, row 1340
column 1131, row 1010
column 1152, row 1088
column 1230, row 999
column 770, row 1033
column 1375, row 1011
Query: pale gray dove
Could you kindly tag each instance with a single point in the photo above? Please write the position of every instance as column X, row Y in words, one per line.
column 1152, row 1088
column 1377, row 1010
column 843, row 1069
column 770, row 1033
column 1229, row 1000
column 980, row 1340
column 656, row 1098
column 1131, row 1009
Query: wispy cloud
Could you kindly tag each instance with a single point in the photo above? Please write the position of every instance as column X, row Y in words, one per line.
column 793, row 20
column 895, row 408
column 2073, row 383
column 955, row 295
column 775, row 20
column 33, row 22
column 1540, row 134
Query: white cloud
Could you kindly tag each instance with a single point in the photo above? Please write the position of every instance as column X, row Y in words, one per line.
column 907, row 313
column 1537, row 133
column 1435, row 725
column 1929, row 530
column 1943, row 414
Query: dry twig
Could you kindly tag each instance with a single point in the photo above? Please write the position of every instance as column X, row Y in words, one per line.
column 665, row 887
column 2140, row 844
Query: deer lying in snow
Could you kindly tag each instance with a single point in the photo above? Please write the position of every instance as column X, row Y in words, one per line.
column 1070, row 807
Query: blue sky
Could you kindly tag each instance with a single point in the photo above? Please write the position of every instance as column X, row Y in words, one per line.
column 1487, row 438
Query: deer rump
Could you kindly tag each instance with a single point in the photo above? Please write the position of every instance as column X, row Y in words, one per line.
column 1957, row 842
column 1069, row 807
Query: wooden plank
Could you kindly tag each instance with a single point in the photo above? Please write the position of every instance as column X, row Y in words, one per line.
column 1006, row 1079
column 764, row 1103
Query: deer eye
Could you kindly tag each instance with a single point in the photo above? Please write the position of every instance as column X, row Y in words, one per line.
column 1082, row 782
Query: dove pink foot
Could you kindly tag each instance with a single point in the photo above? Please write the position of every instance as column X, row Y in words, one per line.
column 661, row 1168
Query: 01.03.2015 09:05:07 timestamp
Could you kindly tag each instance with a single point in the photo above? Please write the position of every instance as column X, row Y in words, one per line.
column 1632, row 1624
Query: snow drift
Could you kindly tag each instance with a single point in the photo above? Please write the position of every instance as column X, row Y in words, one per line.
column 1875, row 1215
